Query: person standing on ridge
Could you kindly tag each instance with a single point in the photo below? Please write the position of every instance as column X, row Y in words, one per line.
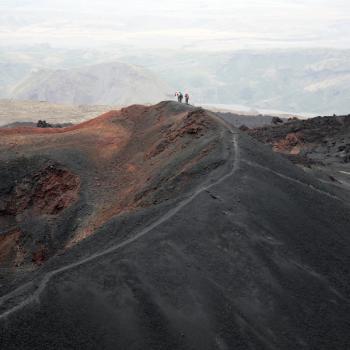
column 177, row 94
column 187, row 98
column 181, row 96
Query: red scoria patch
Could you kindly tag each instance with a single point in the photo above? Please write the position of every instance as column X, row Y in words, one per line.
column 193, row 124
column 40, row 255
column 290, row 144
column 50, row 191
column 11, row 252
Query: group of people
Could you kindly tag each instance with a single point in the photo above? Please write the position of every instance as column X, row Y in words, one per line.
column 180, row 97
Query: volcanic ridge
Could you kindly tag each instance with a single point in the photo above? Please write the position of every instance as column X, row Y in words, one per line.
column 164, row 227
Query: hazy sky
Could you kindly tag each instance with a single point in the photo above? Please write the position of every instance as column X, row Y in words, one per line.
column 204, row 25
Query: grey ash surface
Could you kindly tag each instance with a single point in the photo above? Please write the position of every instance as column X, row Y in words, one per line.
column 250, row 121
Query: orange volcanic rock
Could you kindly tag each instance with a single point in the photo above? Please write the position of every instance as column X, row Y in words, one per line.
column 291, row 144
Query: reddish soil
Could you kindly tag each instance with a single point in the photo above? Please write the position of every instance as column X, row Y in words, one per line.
column 11, row 252
column 193, row 124
column 47, row 192
column 40, row 255
column 291, row 144
column 116, row 163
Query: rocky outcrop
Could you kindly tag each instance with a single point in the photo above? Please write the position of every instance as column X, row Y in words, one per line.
column 324, row 140
column 42, row 195
column 47, row 192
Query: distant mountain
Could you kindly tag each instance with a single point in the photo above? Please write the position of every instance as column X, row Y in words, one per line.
column 17, row 63
column 315, row 81
column 11, row 73
column 107, row 83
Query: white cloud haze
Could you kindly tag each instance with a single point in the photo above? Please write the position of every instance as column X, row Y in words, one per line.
column 204, row 25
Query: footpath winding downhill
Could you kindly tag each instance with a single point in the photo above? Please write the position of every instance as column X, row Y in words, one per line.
column 39, row 287
column 228, row 245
